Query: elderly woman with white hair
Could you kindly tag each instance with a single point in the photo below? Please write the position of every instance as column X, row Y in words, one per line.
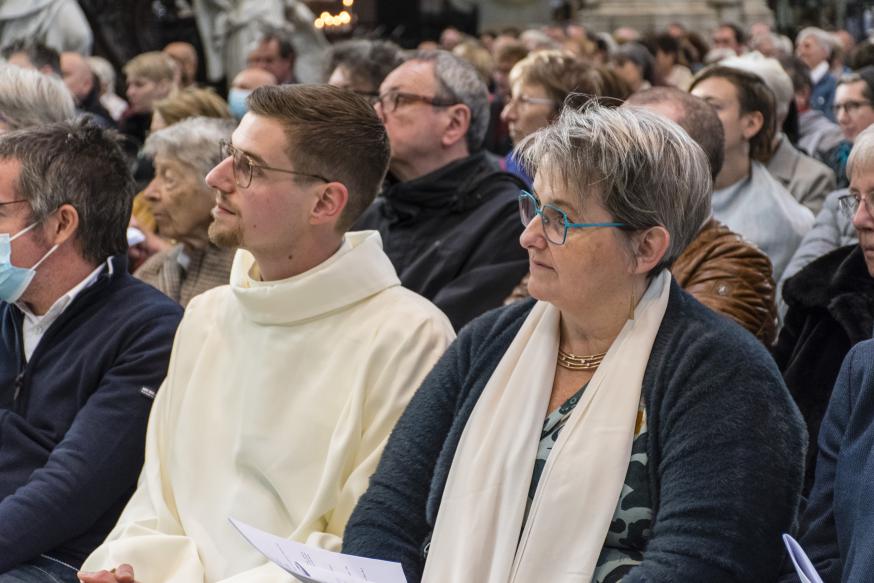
column 829, row 342
column 29, row 98
column 614, row 429
column 182, row 204
column 830, row 302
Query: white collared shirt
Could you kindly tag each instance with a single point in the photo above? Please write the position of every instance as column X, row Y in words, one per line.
column 818, row 72
column 34, row 327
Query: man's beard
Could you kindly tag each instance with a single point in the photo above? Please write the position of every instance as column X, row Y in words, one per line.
column 225, row 237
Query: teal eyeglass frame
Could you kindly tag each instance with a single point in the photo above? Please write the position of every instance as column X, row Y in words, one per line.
column 526, row 196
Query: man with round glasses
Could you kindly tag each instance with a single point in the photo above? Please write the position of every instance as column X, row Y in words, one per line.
column 448, row 215
column 854, row 111
column 831, row 301
column 283, row 386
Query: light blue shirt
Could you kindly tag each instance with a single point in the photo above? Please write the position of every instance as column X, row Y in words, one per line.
column 761, row 210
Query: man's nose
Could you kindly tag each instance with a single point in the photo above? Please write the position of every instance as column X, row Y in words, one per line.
column 222, row 176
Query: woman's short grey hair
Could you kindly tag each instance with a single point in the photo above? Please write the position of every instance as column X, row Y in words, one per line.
column 862, row 154
column 29, row 98
column 825, row 39
column 458, row 81
column 645, row 169
column 193, row 142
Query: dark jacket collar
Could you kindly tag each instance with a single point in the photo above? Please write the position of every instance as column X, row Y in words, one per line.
column 11, row 315
column 840, row 283
column 454, row 188
column 116, row 269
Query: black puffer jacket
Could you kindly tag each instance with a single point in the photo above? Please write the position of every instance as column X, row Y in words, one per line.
column 453, row 235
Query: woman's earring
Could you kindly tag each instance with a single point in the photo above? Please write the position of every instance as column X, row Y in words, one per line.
column 631, row 306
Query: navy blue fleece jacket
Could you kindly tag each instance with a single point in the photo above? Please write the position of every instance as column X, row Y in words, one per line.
column 837, row 527
column 73, row 417
column 726, row 450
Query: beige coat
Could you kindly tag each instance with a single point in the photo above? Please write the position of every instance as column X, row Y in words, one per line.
column 806, row 178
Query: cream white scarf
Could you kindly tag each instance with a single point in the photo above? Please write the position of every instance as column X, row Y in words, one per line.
column 476, row 537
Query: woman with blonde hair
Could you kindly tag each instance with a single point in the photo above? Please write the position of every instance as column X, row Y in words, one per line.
column 189, row 102
column 544, row 83
column 150, row 77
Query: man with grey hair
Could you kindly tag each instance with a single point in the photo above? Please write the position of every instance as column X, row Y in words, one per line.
column 182, row 202
column 448, row 214
column 814, row 46
column 29, row 98
column 274, row 53
column 83, row 348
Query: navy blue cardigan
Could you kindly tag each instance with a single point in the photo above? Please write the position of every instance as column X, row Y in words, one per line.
column 837, row 528
column 73, row 417
column 726, row 450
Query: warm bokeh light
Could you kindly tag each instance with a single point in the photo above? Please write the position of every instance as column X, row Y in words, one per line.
column 343, row 20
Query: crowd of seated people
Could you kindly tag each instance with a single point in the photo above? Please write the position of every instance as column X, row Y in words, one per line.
column 535, row 305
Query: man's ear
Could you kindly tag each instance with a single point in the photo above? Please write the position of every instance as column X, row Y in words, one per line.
column 332, row 199
column 62, row 225
column 751, row 123
column 649, row 248
column 457, row 125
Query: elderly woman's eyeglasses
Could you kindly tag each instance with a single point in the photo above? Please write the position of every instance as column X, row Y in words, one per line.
column 849, row 204
column 391, row 100
column 553, row 220
column 244, row 166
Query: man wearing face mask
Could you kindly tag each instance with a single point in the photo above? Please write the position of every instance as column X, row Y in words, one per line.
column 245, row 83
column 83, row 348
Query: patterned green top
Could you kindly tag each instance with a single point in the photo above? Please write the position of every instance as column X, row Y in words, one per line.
column 630, row 528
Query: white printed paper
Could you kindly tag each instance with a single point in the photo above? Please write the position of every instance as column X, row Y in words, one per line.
column 806, row 572
column 315, row 565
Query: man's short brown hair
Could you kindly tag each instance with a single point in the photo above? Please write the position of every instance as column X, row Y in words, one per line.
column 331, row 132
column 752, row 95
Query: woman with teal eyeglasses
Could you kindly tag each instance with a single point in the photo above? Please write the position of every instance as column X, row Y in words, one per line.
column 611, row 428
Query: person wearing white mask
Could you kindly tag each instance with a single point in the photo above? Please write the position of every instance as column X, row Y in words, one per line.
column 244, row 83
column 83, row 348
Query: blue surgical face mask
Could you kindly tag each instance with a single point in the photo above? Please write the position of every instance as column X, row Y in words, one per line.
column 14, row 280
column 237, row 102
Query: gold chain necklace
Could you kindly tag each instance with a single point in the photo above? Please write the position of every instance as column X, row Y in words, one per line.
column 575, row 362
